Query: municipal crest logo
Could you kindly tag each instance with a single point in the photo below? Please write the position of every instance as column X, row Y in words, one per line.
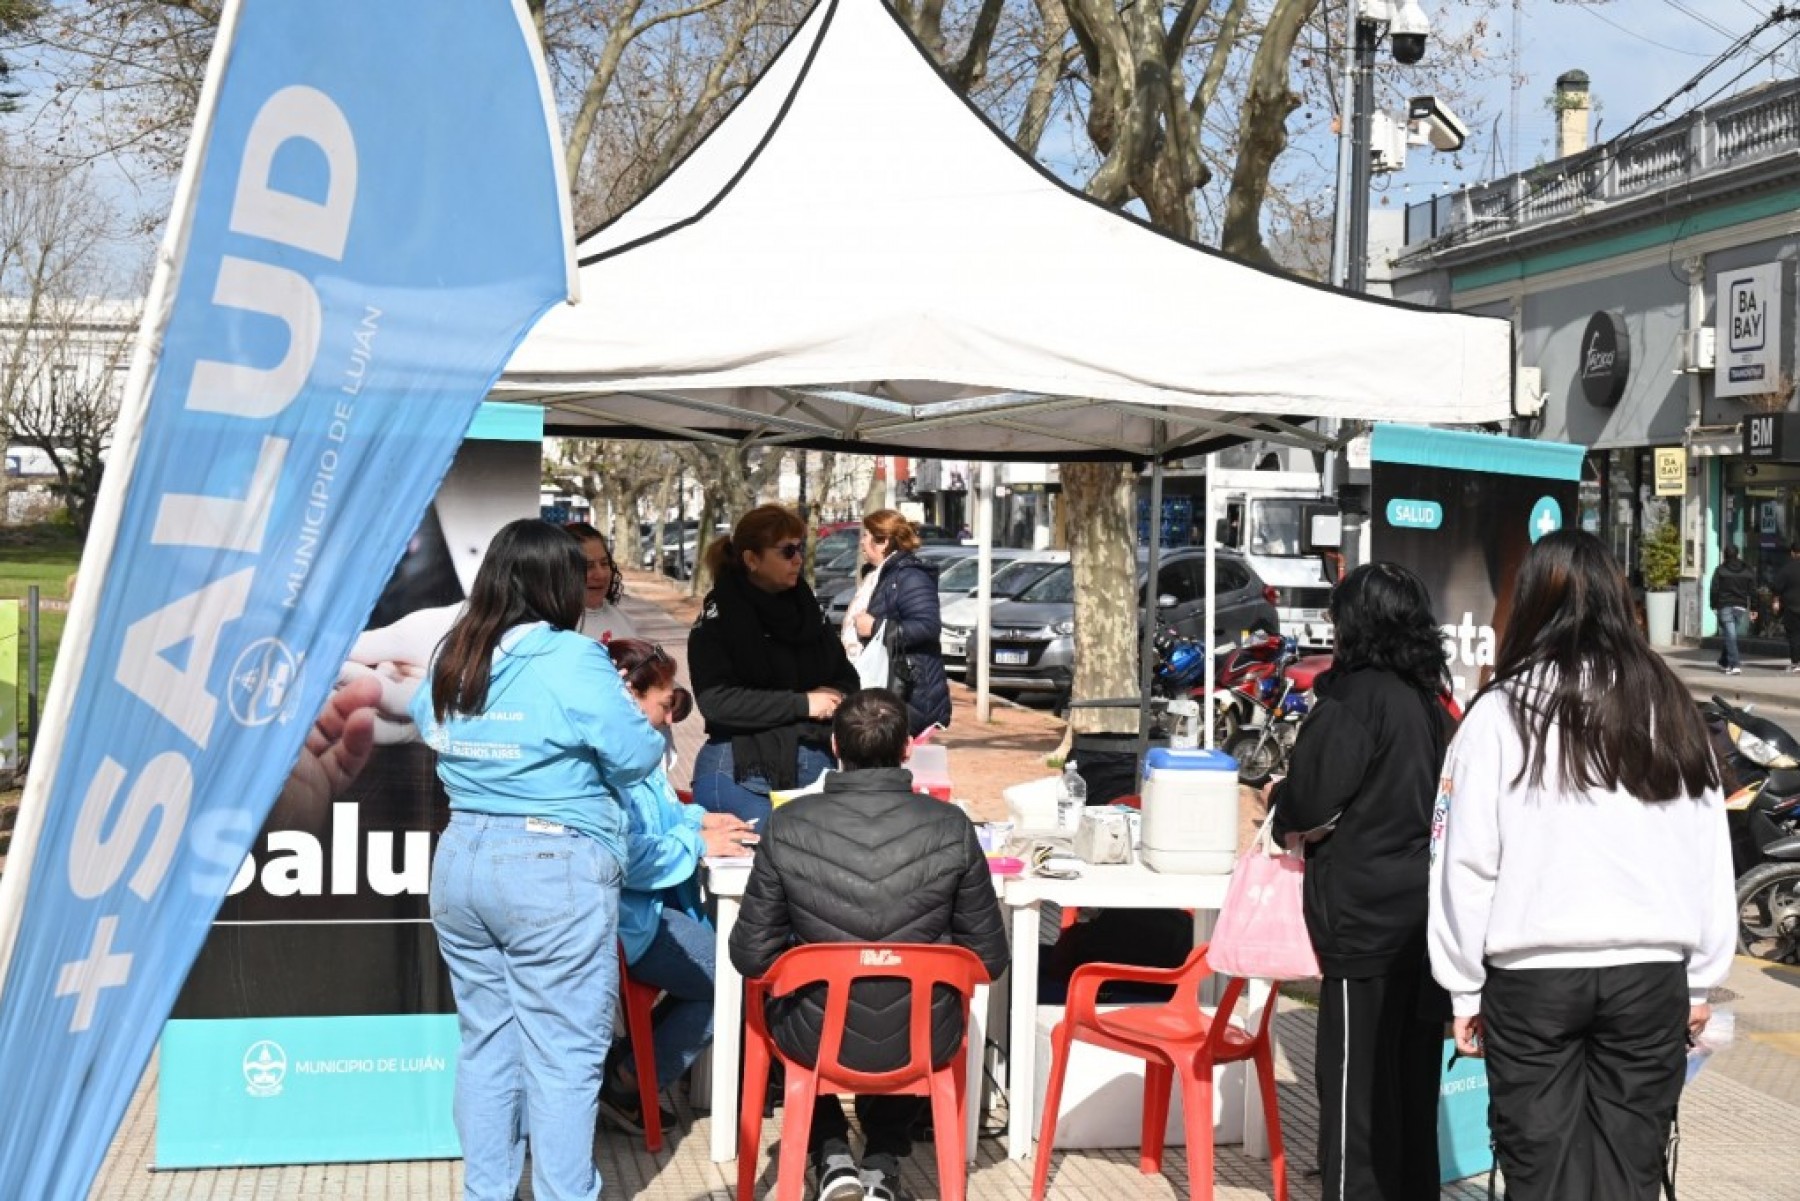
column 265, row 1066
column 265, row 680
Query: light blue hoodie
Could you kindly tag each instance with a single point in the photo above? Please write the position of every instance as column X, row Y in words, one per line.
column 560, row 738
column 663, row 851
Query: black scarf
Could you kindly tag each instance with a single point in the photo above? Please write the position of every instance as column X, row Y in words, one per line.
column 777, row 641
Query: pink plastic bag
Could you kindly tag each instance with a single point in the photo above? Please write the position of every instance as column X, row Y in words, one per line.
column 1261, row 931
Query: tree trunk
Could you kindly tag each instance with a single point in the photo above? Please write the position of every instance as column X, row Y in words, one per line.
column 1097, row 504
column 1262, row 130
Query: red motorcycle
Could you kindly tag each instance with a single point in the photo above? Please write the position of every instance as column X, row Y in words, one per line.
column 1250, row 688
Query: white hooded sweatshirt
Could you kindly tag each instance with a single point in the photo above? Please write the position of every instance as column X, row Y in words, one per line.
column 1556, row 877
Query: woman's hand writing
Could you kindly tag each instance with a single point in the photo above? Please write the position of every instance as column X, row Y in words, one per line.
column 725, row 836
column 822, row 703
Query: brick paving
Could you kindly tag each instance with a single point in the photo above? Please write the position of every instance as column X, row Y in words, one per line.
column 1738, row 1118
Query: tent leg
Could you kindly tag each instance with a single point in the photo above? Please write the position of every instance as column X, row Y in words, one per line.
column 1147, row 651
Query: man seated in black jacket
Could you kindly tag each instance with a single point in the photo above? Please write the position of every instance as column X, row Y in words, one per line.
column 866, row 860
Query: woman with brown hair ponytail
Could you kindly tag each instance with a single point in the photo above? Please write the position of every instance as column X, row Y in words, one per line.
column 768, row 672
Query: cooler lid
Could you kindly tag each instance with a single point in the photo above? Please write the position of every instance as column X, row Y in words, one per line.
column 1163, row 758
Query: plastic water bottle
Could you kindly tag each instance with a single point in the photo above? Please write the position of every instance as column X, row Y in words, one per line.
column 1071, row 798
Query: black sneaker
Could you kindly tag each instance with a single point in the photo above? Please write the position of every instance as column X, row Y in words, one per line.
column 621, row 1107
column 836, row 1175
column 881, row 1179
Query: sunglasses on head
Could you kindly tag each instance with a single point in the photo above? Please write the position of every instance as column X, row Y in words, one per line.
column 789, row 550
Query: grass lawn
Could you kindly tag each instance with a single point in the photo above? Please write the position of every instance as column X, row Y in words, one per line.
column 44, row 555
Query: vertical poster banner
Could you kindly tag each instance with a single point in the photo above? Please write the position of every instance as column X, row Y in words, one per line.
column 1460, row 510
column 317, row 1024
column 361, row 234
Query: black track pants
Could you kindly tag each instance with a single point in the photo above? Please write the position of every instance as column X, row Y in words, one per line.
column 1585, row 1067
column 1790, row 625
column 1378, row 1065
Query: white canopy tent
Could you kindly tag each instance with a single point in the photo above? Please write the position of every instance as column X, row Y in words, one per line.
column 854, row 257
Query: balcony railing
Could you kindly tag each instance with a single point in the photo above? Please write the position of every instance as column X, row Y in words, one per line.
column 1756, row 124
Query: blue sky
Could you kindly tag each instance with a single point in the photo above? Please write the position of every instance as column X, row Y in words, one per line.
column 1636, row 53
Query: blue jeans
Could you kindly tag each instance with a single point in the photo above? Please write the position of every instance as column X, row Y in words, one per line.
column 679, row 961
column 716, row 791
column 1732, row 618
column 528, row 925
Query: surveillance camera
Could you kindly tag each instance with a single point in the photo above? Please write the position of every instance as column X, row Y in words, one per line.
column 1431, row 122
column 1408, row 31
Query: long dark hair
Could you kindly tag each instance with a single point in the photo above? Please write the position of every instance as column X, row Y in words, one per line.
column 1584, row 668
column 1383, row 617
column 533, row 571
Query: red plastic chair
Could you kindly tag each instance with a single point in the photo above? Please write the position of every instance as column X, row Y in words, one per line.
column 1173, row 1039
column 838, row 966
column 640, row 1002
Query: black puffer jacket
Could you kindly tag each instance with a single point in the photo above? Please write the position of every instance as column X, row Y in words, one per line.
column 1366, row 766
column 867, row 860
column 906, row 596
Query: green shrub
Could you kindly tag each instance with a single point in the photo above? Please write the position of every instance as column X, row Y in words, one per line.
column 1660, row 557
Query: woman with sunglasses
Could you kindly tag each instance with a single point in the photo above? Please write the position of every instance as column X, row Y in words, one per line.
column 665, row 936
column 768, row 672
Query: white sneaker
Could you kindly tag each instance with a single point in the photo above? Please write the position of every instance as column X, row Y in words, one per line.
column 1734, row 671
column 1793, row 669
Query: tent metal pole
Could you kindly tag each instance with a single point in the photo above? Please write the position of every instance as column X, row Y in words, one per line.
column 1212, row 576
column 1147, row 650
column 979, row 654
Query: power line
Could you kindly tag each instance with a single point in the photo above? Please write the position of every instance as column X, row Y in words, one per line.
column 1705, row 20
column 1595, row 13
column 1600, row 149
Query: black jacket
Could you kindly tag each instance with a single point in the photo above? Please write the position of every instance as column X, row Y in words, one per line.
column 1369, row 757
column 906, row 597
column 1786, row 585
column 867, row 860
column 1733, row 584
column 753, row 657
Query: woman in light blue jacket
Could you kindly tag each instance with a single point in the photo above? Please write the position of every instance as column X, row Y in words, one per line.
column 667, row 940
column 536, row 736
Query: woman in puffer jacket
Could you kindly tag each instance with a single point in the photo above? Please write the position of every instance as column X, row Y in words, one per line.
column 905, row 596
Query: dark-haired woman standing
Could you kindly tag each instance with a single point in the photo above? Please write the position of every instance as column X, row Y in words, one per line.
column 768, row 672
column 533, row 730
column 1359, row 792
column 1581, row 900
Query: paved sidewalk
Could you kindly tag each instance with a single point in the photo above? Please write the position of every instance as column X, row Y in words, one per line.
column 1765, row 680
column 1738, row 1117
column 1736, row 1124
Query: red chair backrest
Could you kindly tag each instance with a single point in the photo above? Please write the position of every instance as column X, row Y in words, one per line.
column 838, row 965
column 1187, row 992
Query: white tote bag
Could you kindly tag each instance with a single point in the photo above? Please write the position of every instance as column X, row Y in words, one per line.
column 874, row 667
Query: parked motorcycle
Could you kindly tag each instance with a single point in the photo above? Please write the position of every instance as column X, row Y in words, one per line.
column 1763, row 809
column 1279, row 703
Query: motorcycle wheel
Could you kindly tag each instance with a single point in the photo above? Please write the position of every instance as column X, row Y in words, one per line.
column 1225, row 727
column 1258, row 756
column 1769, row 912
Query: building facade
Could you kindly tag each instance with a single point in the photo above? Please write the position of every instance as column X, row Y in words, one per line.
column 1651, row 287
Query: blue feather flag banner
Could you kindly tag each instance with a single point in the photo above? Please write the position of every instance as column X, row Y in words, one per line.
column 371, row 215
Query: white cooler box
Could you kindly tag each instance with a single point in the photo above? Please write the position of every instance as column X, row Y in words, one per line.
column 1103, row 1095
